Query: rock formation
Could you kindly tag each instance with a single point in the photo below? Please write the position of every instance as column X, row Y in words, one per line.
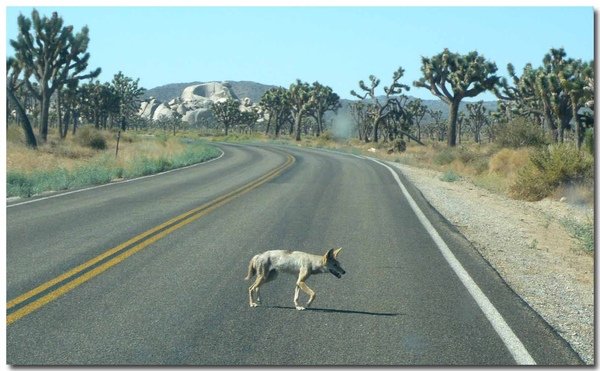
column 193, row 106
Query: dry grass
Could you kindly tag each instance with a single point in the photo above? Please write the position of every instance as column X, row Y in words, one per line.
column 65, row 164
column 69, row 153
column 507, row 162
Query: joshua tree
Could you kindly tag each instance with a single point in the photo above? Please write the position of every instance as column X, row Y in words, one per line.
column 53, row 55
column 390, row 104
column 68, row 99
column 13, row 84
column 554, row 92
column 416, row 111
column 275, row 105
column 452, row 77
column 301, row 100
column 362, row 115
column 99, row 102
column 324, row 100
column 521, row 98
column 128, row 94
column 573, row 80
column 477, row 118
column 227, row 113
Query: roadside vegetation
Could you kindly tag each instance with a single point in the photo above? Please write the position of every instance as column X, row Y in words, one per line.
column 528, row 173
column 89, row 158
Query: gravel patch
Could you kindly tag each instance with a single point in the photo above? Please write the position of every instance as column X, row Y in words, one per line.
column 529, row 247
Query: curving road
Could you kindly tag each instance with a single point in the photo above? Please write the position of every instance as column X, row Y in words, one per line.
column 150, row 272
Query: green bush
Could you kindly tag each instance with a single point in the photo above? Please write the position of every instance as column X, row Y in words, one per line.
column 450, row 176
column 552, row 166
column 583, row 232
column 520, row 133
column 89, row 136
column 18, row 184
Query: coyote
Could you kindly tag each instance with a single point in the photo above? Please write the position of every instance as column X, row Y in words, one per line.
column 268, row 264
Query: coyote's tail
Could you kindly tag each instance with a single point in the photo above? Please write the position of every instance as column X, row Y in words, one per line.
column 251, row 269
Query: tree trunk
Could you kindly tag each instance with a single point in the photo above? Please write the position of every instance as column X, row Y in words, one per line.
column 578, row 131
column 45, row 116
column 75, row 122
column 319, row 125
column 376, row 130
column 59, row 114
column 268, row 125
column 97, row 120
column 64, row 128
column 297, row 126
column 25, row 123
column 549, row 122
column 452, row 123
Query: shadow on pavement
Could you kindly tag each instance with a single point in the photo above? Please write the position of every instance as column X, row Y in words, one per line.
column 328, row 310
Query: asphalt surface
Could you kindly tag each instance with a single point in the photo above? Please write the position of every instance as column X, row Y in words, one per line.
column 182, row 299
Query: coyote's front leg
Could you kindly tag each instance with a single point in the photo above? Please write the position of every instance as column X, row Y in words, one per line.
column 300, row 285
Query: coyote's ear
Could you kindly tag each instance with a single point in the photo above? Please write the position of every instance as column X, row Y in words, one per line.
column 328, row 255
column 336, row 252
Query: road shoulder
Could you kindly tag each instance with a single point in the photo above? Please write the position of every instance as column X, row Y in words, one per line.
column 526, row 244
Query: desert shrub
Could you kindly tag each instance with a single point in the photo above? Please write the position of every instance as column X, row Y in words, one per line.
column 326, row 135
column 400, row 145
column 18, row 184
column 582, row 232
column 520, row 132
column 508, row 161
column 450, row 176
column 548, row 168
column 89, row 136
column 444, row 156
column 462, row 158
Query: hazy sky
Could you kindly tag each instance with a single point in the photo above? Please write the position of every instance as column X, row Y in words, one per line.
column 337, row 46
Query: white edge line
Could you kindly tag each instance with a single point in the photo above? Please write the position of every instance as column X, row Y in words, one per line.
column 512, row 342
column 117, row 182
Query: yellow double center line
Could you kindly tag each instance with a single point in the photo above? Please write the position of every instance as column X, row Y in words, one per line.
column 43, row 294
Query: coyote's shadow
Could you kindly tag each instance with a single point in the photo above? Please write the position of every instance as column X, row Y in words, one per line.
column 346, row 311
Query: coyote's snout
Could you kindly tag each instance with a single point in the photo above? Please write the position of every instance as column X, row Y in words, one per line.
column 267, row 265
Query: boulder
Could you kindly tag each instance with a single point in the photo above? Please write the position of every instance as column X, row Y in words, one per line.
column 147, row 108
column 198, row 116
column 163, row 111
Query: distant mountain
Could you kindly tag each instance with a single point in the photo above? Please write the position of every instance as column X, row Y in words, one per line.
column 241, row 89
column 255, row 91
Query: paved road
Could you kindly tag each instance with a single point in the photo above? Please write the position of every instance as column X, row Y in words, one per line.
column 177, row 296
